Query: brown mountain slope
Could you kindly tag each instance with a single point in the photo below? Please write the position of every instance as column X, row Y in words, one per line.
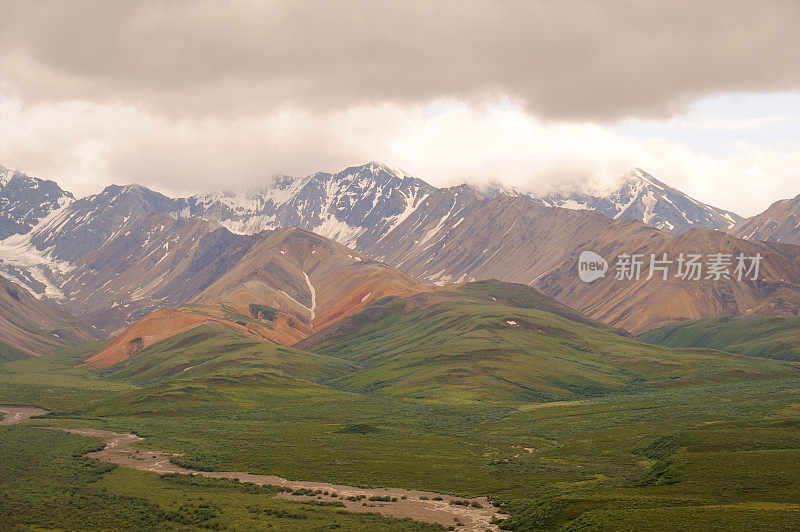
column 516, row 240
column 779, row 223
column 642, row 305
column 163, row 324
column 33, row 326
column 314, row 278
column 288, row 284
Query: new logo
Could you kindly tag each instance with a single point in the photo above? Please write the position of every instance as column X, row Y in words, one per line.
column 591, row 266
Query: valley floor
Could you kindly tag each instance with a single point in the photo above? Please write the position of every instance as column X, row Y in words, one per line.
column 474, row 514
column 712, row 456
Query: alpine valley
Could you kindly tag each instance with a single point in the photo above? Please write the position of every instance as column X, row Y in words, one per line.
column 361, row 350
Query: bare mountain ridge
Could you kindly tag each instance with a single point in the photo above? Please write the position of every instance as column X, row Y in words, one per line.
column 779, row 223
column 316, row 279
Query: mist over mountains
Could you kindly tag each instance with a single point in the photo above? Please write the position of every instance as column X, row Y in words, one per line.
column 375, row 198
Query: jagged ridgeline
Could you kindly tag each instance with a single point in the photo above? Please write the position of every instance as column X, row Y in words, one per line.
column 115, row 257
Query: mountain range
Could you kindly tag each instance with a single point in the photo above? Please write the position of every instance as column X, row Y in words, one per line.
column 516, row 240
column 116, row 257
column 361, row 204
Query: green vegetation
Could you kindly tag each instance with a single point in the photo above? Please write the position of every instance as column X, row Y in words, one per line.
column 584, row 428
column 263, row 312
column 209, row 353
column 768, row 337
column 673, row 456
column 46, row 483
column 358, row 428
column 496, row 342
column 384, row 498
column 9, row 353
column 55, row 380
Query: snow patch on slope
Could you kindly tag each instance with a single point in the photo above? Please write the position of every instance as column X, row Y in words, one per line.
column 339, row 231
column 649, row 200
column 313, row 306
column 18, row 253
column 412, row 201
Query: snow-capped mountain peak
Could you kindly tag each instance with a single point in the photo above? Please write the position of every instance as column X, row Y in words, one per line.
column 495, row 188
column 342, row 205
column 639, row 175
column 644, row 198
column 25, row 201
column 363, row 200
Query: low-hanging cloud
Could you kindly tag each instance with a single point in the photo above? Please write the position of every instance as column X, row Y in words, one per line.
column 564, row 60
column 87, row 146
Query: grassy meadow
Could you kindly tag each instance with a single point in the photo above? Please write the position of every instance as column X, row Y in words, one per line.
column 762, row 336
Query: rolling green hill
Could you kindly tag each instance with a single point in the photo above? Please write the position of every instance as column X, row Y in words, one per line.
column 697, row 455
column 208, row 352
column 768, row 337
column 214, row 369
column 493, row 341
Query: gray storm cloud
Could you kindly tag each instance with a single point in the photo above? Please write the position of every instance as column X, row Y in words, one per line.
column 573, row 61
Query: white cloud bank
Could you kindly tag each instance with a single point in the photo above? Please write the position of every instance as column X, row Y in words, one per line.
column 85, row 146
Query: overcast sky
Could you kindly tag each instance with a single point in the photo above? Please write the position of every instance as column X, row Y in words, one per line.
column 194, row 97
